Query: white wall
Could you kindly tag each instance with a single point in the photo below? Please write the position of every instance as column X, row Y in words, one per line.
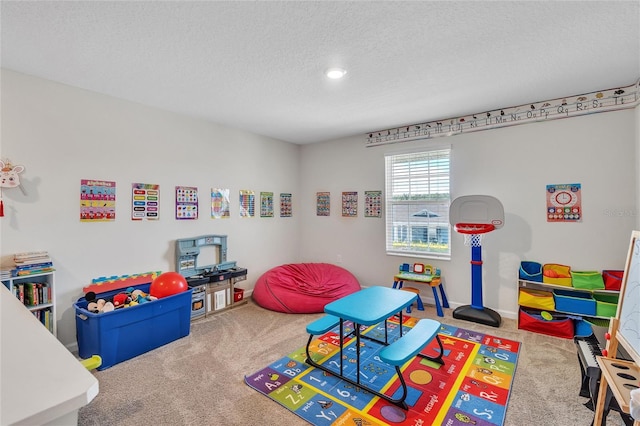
column 513, row 164
column 63, row 134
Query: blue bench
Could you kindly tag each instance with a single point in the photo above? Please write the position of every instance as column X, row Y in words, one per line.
column 411, row 343
column 409, row 346
column 322, row 325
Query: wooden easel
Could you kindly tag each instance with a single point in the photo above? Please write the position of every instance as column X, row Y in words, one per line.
column 619, row 375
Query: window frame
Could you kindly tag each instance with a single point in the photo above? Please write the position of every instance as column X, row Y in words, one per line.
column 423, row 236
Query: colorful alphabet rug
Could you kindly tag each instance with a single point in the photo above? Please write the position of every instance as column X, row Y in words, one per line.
column 471, row 388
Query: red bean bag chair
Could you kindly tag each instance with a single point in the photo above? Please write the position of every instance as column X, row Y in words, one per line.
column 303, row 288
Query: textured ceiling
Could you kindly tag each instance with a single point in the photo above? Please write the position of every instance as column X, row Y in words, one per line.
column 259, row 66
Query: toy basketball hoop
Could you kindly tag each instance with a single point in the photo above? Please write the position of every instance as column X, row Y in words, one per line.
column 474, row 216
column 473, row 232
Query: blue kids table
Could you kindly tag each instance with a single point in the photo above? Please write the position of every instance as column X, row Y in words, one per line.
column 368, row 307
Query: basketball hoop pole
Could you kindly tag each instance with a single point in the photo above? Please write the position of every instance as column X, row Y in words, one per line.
column 476, row 312
column 474, row 216
column 476, row 276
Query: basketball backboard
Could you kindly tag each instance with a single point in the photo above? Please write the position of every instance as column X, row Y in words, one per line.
column 477, row 209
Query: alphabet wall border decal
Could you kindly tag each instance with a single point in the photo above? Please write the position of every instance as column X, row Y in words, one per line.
column 571, row 106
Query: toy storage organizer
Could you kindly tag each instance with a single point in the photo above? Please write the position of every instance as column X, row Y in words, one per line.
column 557, row 301
column 128, row 332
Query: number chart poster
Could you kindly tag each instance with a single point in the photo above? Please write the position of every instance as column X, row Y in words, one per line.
column 145, row 201
column 97, row 200
column 186, row 202
column 266, row 204
column 220, row 203
column 564, row 202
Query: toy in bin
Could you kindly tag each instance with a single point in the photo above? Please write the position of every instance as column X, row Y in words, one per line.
column 163, row 285
column 124, row 333
column 167, row 284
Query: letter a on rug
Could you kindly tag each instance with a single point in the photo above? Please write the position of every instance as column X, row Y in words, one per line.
column 471, row 388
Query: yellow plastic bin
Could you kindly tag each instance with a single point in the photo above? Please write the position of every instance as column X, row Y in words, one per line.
column 538, row 299
column 554, row 273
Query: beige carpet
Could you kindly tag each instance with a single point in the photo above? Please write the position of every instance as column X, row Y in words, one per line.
column 198, row 380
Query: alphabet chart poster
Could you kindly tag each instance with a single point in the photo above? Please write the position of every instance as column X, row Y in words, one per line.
column 372, row 203
column 266, row 204
column 349, row 204
column 285, row 205
column 186, row 202
column 323, row 203
column 97, row 200
column 564, row 203
column 247, row 203
column 220, row 203
column 145, row 201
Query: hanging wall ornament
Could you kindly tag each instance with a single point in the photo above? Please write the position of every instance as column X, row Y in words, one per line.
column 9, row 179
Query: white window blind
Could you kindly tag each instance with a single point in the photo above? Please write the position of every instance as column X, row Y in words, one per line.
column 417, row 204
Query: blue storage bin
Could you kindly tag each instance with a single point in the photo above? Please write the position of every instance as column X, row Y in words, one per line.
column 128, row 332
column 530, row 271
column 574, row 302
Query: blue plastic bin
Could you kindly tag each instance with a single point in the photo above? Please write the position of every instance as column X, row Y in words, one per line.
column 574, row 302
column 128, row 332
column 530, row 271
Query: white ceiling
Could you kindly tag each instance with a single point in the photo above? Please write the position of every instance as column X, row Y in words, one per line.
column 259, row 66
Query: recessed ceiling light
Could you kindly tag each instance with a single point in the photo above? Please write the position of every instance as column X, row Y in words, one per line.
column 335, row 73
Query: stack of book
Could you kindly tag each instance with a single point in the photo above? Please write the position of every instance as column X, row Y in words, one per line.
column 5, row 274
column 34, row 262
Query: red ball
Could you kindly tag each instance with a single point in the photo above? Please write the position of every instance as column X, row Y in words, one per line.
column 168, row 284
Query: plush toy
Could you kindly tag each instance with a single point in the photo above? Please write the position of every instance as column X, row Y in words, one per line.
column 101, row 303
column 120, row 300
column 92, row 305
column 130, row 297
column 9, row 179
column 97, row 306
column 140, row 297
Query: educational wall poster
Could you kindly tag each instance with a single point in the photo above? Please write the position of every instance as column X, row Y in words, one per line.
column 145, row 201
column 186, row 202
column 266, row 204
column 372, row 203
column 323, row 203
column 220, row 203
column 247, row 203
column 349, row 204
column 564, row 203
column 286, row 209
column 97, row 200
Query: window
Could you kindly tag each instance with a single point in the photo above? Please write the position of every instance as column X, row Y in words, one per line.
column 417, row 204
